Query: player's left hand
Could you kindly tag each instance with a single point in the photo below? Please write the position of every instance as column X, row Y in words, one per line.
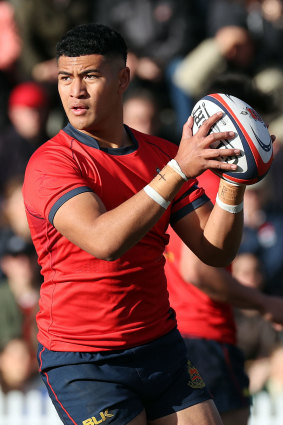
column 195, row 155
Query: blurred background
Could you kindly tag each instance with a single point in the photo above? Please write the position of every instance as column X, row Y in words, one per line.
column 179, row 50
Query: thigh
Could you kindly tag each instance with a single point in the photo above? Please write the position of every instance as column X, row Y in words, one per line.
column 204, row 413
column 82, row 396
column 169, row 380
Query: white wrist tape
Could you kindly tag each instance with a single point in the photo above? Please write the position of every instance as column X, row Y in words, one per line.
column 176, row 167
column 233, row 209
column 156, row 197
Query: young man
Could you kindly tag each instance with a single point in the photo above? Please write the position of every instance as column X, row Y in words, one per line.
column 99, row 197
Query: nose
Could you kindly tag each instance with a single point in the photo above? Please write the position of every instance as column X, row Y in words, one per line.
column 78, row 88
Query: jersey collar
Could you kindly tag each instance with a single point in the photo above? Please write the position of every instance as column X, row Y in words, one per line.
column 91, row 141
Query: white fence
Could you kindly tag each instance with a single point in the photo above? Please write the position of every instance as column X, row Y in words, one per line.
column 266, row 411
column 35, row 408
column 32, row 408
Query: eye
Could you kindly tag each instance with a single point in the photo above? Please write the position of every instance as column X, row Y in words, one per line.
column 64, row 78
column 91, row 76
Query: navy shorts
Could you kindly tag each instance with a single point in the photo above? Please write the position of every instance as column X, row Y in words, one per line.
column 114, row 387
column 222, row 367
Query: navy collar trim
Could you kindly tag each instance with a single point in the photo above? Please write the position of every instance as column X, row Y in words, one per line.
column 92, row 142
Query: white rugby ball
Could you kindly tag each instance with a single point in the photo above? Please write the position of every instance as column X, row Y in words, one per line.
column 251, row 136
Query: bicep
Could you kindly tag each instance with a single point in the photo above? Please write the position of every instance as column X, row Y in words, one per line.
column 76, row 218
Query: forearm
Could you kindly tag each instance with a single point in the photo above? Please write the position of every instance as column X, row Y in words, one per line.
column 130, row 221
column 223, row 230
column 221, row 286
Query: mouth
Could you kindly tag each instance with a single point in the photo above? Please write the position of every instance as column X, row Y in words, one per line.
column 79, row 109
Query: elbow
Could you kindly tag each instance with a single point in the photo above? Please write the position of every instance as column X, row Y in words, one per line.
column 112, row 257
column 222, row 261
column 106, row 253
column 221, row 258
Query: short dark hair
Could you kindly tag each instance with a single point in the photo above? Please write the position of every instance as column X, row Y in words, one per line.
column 89, row 39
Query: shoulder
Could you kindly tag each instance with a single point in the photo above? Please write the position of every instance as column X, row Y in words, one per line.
column 50, row 161
column 51, row 150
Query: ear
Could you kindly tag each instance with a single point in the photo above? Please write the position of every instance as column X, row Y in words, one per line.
column 124, row 79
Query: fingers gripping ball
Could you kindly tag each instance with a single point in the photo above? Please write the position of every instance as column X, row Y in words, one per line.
column 252, row 136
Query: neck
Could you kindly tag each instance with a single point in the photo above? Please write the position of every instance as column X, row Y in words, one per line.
column 111, row 138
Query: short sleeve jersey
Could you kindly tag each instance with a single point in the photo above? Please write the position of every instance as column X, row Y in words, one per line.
column 88, row 304
column 197, row 314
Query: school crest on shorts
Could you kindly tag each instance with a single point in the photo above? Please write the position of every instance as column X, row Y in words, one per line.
column 195, row 380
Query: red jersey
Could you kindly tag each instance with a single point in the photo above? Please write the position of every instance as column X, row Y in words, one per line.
column 88, row 304
column 197, row 314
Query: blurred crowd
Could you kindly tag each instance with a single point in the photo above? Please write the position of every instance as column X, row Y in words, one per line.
column 179, row 50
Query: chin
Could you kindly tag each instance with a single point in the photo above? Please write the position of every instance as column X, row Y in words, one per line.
column 78, row 123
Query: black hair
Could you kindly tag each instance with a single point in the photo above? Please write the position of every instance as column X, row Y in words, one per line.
column 89, row 39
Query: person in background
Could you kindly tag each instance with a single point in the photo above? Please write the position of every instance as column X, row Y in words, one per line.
column 263, row 226
column 17, row 372
column 256, row 336
column 19, row 291
column 13, row 216
column 141, row 112
column 40, row 24
column 28, row 112
column 10, row 47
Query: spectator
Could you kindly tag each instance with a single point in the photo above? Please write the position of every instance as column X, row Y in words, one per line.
column 41, row 24
column 255, row 335
column 230, row 50
column 10, row 41
column 14, row 218
column 261, row 234
column 10, row 45
column 28, row 112
column 240, row 36
column 19, row 291
column 17, row 367
column 141, row 112
column 155, row 31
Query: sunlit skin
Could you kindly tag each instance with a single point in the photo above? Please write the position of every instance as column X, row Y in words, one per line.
column 91, row 88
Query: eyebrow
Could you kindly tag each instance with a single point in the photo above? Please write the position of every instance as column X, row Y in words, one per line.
column 88, row 71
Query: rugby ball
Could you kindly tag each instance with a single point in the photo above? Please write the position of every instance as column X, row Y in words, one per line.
column 251, row 136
